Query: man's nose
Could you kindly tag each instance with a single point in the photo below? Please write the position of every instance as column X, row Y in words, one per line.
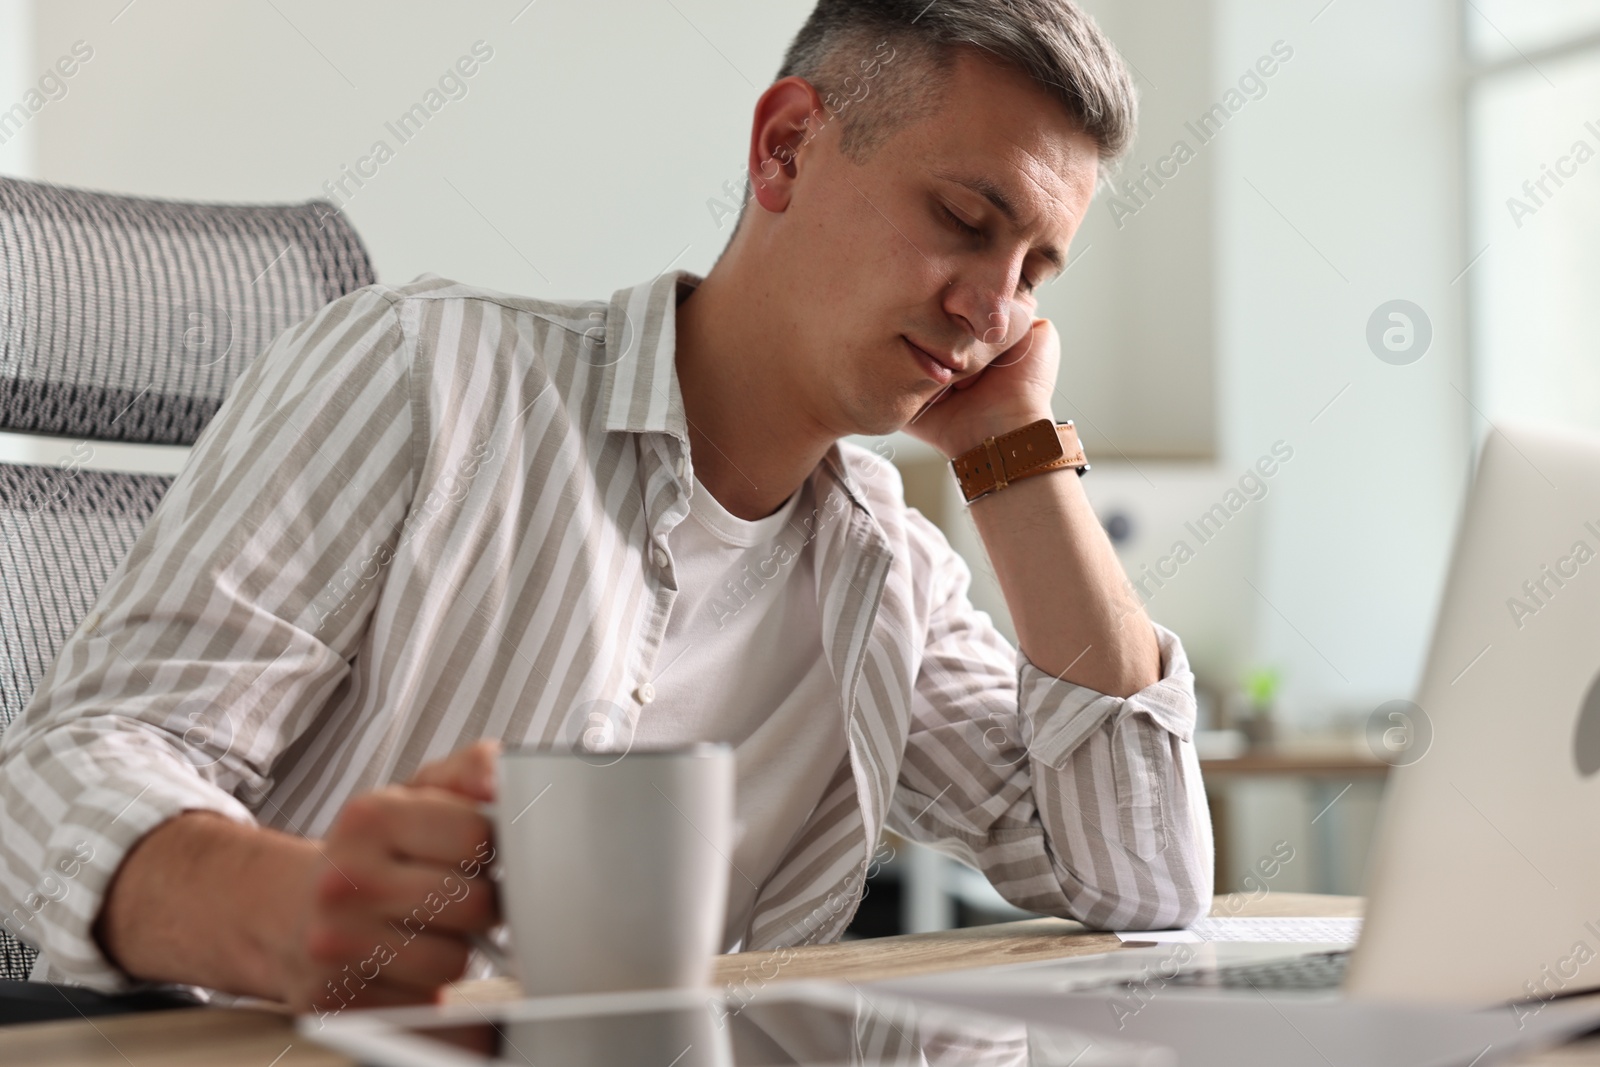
column 999, row 325
column 987, row 308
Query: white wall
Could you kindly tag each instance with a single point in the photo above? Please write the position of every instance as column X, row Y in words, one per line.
column 591, row 140
column 16, row 73
column 1137, row 310
column 1343, row 191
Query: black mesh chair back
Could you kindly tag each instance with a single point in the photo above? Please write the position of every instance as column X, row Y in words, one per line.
column 125, row 319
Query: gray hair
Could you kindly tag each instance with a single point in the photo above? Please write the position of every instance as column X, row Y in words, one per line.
column 839, row 50
column 1053, row 42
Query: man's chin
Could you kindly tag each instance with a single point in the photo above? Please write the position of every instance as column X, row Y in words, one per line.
column 881, row 427
column 886, row 416
column 882, row 424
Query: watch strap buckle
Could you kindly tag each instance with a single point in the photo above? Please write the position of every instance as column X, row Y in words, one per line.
column 1040, row 446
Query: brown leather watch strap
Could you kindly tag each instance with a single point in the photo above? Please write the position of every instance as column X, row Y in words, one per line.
column 1034, row 449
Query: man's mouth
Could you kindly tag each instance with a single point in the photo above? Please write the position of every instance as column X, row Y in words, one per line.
column 933, row 366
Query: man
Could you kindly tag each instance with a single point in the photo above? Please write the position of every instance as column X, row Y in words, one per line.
column 433, row 518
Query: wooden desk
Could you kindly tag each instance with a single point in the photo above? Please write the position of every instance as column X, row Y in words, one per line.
column 266, row 1038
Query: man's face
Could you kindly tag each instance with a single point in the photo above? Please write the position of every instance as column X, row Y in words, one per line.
column 911, row 247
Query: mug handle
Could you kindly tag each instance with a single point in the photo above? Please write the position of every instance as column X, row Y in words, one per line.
column 482, row 942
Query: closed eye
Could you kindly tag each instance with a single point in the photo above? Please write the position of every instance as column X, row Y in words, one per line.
column 1025, row 283
column 960, row 223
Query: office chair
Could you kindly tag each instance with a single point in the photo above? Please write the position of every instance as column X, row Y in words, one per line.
column 124, row 319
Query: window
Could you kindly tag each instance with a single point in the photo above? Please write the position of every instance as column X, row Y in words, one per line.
column 1533, row 120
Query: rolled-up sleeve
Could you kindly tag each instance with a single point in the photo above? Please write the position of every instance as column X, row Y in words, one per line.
column 215, row 643
column 1072, row 802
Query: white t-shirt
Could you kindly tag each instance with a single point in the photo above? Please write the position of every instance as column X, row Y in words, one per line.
column 742, row 662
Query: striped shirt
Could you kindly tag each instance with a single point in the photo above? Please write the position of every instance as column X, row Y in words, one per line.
column 433, row 513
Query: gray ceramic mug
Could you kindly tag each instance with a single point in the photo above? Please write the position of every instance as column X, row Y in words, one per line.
column 613, row 869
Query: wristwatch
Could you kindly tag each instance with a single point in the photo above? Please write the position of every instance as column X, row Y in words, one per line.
column 1034, row 449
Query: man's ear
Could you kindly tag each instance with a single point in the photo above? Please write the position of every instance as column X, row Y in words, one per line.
column 788, row 115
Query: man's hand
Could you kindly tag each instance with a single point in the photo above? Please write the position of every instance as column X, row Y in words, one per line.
column 1070, row 616
column 403, row 886
column 378, row 913
column 1016, row 388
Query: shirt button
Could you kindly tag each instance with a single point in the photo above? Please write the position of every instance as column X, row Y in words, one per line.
column 91, row 621
column 661, row 559
column 683, row 467
column 645, row 693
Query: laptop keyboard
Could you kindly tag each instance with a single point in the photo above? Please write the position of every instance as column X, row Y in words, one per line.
column 1317, row 971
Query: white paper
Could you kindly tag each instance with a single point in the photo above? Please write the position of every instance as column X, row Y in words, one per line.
column 1159, row 935
column 1343, row 931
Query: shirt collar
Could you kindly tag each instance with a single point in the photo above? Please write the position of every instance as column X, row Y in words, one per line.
column 639, row 391
column 845, row 475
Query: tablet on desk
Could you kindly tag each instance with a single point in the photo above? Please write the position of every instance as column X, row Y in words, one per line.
column 800, row 1023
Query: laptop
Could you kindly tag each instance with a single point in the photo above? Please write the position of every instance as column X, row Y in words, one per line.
column 1483, row 900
